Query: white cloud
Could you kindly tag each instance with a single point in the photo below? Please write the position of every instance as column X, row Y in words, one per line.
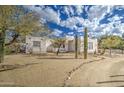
column 115, row 18
column 119, row 7
column 81, row 29
column 95, row 15
column 56, row 32
column 79, row 9
column 115, row 28
column 96, row 12
column 75, row 9
column 47, row 14
column 50, row 15
column 70, row 33
column 71, row 22
column 122, row 27
column 69, row 10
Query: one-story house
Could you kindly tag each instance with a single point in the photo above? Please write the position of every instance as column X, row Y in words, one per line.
column 41, row 45
column 92, row 44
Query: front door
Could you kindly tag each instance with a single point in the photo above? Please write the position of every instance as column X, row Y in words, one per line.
column 36, row 47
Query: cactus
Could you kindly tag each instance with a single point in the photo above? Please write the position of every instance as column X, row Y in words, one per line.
column 85, row 43
column 2, row 43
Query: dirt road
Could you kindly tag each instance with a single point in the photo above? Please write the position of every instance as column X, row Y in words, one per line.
column 67, row 71
column 105, row 73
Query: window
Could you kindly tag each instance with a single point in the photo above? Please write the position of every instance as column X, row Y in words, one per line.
column 90, row 45
column 63, row 46
column 36, row 43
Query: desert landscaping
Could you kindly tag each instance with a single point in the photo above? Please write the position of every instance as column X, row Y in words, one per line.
column 62, row 70
column 61, row 46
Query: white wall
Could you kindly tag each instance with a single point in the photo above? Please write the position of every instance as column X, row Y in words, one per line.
column 81, row 43
column 94, row 41
column 45, row 43
column 35, row 50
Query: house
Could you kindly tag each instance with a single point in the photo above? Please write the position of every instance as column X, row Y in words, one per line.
column 42, row 45
column 37, row 45
column 92, row 44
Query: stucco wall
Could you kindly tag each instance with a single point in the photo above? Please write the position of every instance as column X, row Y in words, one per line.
column 95, row 47
column 35, row 50
column 81, row 44
column 45, row 45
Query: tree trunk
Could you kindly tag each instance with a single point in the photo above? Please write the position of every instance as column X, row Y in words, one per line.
column 57, row 53
column 103, row 51
column 76, row 46
column 110, row 51
column 13, row 40
column 85, row 43
column 122, row 51
column 2, row 44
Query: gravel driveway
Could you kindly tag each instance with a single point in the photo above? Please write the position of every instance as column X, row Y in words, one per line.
column 62, row 71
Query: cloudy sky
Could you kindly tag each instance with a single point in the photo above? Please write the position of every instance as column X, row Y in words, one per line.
column 71, row 20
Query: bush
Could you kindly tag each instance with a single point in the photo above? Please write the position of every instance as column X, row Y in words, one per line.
column 8, row 50
column 14, row 48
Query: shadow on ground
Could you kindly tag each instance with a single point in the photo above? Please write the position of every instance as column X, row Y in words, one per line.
column 14, row 66
column 58, row 58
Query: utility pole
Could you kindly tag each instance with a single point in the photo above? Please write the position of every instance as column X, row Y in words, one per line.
column 85, row 43
column 76, row 46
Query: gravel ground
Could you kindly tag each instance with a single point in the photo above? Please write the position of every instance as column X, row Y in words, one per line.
column 62, row 70
column 104, row 73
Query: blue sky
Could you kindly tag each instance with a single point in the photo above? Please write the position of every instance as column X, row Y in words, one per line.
column 70, row 20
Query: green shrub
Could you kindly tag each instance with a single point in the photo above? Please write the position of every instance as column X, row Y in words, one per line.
column 8, row 50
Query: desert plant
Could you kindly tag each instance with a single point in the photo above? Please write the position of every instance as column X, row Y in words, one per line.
column 121, row 46
column 19, row 19
column 110, row 42
column 57, row 43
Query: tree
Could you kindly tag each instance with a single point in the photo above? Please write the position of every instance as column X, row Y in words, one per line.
column 19, row 19
column 123, row 35
column 85, row 43
column 121, row 46
column 101, row 43
column 57, row 43
column 110, row 42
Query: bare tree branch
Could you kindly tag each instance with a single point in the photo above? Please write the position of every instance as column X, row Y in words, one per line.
column 13, row 40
